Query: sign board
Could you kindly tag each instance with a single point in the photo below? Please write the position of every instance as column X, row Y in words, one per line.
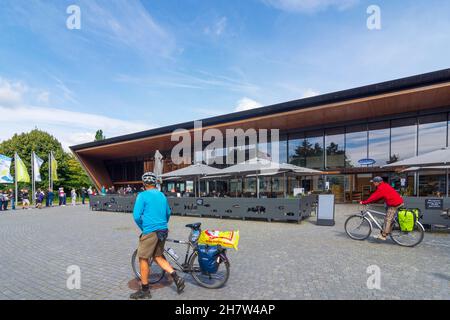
column 434, row 204
column 298, row 191
column 366, row 162
column 403, row 182
column 325, row 210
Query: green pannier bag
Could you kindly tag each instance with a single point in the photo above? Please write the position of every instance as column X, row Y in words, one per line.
column 407, row 219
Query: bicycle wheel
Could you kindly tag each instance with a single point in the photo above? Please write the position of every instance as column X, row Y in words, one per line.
column 156, row 273
column 209, row 280
column 358, row 227
column 407, row 239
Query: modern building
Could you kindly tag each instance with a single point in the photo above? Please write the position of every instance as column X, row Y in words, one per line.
column 349, row 135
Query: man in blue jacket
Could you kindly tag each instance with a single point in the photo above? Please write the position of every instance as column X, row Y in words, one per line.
column 151, row 213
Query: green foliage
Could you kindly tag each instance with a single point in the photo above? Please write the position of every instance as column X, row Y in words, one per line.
column 70, row 172
column 99, row 135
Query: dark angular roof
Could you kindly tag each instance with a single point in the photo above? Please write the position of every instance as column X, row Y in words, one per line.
column 338, row 96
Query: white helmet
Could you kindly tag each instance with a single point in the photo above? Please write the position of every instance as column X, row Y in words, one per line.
column 149, row 178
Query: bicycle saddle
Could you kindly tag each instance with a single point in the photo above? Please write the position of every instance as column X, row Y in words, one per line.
column 194, row 226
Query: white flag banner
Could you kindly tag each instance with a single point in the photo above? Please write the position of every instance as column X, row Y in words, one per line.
column 37, row 166
column 5, row 165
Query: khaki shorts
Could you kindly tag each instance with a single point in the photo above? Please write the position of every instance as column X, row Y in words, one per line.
column 150, row 246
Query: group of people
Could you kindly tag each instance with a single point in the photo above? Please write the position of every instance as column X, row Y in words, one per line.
column 121, row 191
column 8, row 196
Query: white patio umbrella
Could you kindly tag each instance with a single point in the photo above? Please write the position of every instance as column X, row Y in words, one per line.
column 194, row 171
column 433, row 158
column 159, row 164
column 260, row 167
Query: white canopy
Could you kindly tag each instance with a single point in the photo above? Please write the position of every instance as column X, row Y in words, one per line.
column 426, row 168
column 265, row 166
column 434, row 158
column 194, row 170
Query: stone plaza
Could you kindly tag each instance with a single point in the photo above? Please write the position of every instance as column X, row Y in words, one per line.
column 275, row 260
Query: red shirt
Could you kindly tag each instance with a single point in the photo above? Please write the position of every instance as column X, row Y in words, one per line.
column 387, row 193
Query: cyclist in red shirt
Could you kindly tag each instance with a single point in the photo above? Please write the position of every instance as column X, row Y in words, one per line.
column 392, row 200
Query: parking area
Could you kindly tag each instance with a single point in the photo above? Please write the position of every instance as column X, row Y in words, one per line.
column 275, row 260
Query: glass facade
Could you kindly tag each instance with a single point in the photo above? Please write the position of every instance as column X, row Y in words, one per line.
column 403, row 139
column 313, row 150
column 335, row 148
column 355, row 144
column 379, row 142
column 432, row 133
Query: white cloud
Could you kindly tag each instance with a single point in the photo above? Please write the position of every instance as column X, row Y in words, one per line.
column 11, row 93
column 310, row 93
column 69, row 127
column 247, row 104
column 309, row 6
column 218, row 28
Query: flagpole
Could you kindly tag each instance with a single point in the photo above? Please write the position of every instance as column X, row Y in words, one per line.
column 51, row 157
column 15, row 180
column 49, row 171
column 33, row 196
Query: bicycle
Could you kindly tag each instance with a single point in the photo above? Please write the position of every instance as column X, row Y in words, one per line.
column 190, row 264
column 360, row 226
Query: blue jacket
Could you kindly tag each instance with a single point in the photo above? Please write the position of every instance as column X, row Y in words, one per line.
column 151, row 211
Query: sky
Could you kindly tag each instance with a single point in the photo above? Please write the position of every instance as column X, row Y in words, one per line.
column 135, row 65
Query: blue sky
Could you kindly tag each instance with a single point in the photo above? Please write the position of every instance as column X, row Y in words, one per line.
column 136, row 65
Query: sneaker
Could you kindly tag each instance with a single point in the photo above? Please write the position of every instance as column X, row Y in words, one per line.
column 141, row 294
column 179, row 282
column 380, row 237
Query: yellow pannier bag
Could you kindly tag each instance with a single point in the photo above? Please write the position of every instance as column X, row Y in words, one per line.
column 226, row 239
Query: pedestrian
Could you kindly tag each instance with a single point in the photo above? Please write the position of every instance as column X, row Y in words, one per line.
column 50, row 196
column 5, row 200
column 103, row 191
column 39, row 198
column 25, row 199
column 73, row 194
column 83, row 194
column 1, row 200
column 61, row 195
column 12, row 195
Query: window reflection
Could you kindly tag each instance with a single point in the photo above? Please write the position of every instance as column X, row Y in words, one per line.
column 356, row 144
column 403, row 139
column 432, row 132
column 379, row 134
column 335, row 148
column 296, row 151
column 313, row 149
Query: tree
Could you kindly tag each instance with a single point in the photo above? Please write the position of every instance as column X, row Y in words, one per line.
column 42, row 143
column 99, row 135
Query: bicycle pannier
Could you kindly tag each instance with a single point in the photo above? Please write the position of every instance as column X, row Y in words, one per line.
column 407, row 219
column 207, row 258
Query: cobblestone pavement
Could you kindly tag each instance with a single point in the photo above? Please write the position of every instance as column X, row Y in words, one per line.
column 275, row 261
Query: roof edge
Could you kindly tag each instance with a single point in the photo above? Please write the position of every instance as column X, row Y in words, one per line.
column 420, row 80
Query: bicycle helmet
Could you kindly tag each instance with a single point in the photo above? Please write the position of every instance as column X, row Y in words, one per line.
column 149, row 178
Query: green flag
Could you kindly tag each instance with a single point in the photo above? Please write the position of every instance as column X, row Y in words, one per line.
column 21, row 171
column 54, row 165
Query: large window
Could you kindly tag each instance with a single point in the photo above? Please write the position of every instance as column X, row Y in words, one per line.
column 283, row 152
column 313, row 149
column 432, row 132
column 379, row 138
column 355, row 144
column 403, row 139
column 335, row 148
column 296, row 149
